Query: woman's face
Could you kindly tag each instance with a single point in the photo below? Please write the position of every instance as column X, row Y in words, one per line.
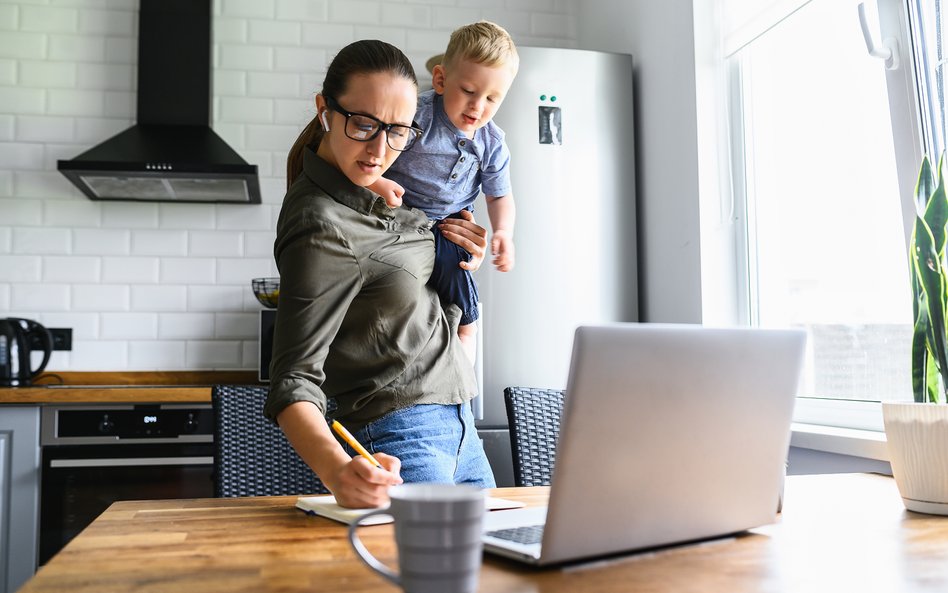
column 383, row 95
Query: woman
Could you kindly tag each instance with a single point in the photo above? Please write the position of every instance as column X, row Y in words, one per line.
column 358, row 333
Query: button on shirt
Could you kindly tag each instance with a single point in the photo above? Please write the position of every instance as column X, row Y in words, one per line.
column 356, row 321
column 444, row 171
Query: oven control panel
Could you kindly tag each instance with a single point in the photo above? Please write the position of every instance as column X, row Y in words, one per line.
column 138, row 422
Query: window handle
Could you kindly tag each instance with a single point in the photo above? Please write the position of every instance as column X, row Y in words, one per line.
column 889, row 50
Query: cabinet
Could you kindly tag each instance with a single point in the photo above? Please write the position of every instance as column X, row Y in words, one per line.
column 19, row 494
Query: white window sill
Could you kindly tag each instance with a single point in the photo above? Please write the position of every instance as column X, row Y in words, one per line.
column 869, row 444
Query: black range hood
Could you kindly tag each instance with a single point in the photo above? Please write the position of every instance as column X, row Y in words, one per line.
column 171, row 154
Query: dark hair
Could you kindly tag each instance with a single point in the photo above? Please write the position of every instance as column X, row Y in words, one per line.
column 367, row 56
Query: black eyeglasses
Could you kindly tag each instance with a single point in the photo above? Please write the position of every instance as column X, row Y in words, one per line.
column 363, row 128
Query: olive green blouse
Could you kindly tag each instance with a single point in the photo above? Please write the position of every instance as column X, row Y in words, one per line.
column 356, row 321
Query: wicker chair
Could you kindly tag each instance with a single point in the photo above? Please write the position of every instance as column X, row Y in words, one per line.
column 252, row 456
column 534, row 419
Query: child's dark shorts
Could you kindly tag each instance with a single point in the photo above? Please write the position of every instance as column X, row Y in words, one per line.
column 453, row 284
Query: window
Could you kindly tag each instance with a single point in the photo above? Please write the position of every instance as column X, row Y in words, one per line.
column 824, row 165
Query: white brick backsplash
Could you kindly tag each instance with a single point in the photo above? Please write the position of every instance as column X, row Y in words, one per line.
column 76, row 48
column 185, row 326
column 99, row 355
column 186, row 216
column 116, row 77
column 85, row 326
column 246, row 109
column 251, row 354
column 7, row 130
column 516, row 23
column 230, row 82
column 237, row 325
column 9, row 17
column 272, row 137
column 21, row 212
column 159, row 298
column 328, row 35
column 107, row 22
column 278, row 166
column 121, row 50
column 273, row 84
column 451, row 18
column 76, row 102
column 71, row 269
column 231, row 216
column 260, row 158
column 5, row 297
column 242, row 270
column 247, row 8
column 8, row 71
column 120, row 104
column 22, row 45
column 6, row 184
column 132, row 326
column 130, row 270
column 76, row 213
column 19, row 155
column 394, row 36
column 100, row 297
column 160, row 242
column 429, row 42
column 230, row 30
column 216, row 298
column 184, row 270
column 273, row 189
column 20, row 268
column 6, row 239
column 232, row 133
column 220, row 243
column 100, row 242
column 302, row 10
column 45, row 19
column 40, row 297
column 274, row 33
column 298, row 59
column 132, row 215
column 355, row 11
column 41, row 241
column 39, row 128
column 259, row 244
column 92, row 130
column 246, row 57
column 156, row 355
column 401, row 15
column 214, row 355
column 22, row 100
column 549, row 25
column 34, row 73
column 40, row 184
column 482, row 3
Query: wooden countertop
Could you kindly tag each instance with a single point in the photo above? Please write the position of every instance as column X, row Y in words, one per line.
column 844, row 532
column 123, row 387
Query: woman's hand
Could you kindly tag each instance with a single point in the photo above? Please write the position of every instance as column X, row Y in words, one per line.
column 469, row 235
column 359, row 484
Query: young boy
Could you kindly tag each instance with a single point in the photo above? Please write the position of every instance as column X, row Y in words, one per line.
column 461, row 153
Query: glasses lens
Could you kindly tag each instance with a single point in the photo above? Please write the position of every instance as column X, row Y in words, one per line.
column 361, row 128
column 401, row 137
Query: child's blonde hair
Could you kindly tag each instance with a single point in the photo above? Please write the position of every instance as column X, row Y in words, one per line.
column 484, row 43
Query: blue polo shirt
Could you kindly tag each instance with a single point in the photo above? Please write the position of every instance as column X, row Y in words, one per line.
column 444, row 171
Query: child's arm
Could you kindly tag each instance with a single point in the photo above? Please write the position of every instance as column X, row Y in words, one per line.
column 502, row 213
column 390, row 191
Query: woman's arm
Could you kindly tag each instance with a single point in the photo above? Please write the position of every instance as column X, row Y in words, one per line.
column 354, row 481
column 469, row 235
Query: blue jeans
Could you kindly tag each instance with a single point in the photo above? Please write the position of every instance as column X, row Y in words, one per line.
column 435, row 443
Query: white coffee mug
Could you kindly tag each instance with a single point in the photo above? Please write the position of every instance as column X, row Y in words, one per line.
column 438, row 533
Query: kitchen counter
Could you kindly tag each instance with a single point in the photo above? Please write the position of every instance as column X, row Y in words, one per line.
column 124, row 387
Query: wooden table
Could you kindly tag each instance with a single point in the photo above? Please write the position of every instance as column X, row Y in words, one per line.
column 838, row 533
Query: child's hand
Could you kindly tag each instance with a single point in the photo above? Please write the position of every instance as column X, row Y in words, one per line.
column 502, row 248
column 390, row 191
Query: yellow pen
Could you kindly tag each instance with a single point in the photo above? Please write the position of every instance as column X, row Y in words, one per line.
column 347, row 437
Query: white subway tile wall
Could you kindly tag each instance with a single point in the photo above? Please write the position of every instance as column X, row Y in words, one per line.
column 149, row 286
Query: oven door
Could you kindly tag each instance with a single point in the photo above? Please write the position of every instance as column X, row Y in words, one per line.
column 81, row 481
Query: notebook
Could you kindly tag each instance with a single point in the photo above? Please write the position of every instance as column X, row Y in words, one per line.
column 670, row 434
column 325, row 506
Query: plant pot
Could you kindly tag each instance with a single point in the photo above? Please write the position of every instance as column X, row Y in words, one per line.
column 917, row 435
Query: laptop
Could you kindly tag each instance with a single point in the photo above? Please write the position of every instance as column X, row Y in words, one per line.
column 670, row 434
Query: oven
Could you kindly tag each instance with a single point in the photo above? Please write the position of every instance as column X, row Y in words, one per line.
column 94, row 455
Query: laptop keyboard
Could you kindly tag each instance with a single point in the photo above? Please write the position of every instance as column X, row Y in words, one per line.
column 527, row 534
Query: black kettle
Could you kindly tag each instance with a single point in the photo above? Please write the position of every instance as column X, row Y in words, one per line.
column 16, row 339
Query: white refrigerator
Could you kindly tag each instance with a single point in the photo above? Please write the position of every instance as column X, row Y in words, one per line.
column 568, row 120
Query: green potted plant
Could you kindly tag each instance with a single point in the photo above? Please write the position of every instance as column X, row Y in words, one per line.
column 917, row 432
